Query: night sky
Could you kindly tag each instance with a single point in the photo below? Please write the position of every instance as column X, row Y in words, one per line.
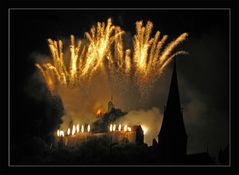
column 203, row 75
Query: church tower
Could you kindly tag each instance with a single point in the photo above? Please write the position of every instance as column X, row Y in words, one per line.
column 110, row 105
column 172, row 139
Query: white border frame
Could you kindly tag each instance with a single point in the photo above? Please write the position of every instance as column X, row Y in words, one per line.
column 108, row 9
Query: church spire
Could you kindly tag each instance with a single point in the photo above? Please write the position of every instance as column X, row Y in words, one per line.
column 173, row 102
column 172, row 138
column 173, row 114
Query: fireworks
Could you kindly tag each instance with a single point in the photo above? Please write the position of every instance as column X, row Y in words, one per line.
column 103, row 50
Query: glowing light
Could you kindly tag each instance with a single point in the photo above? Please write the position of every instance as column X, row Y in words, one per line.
column 69, row 131
column 119, row 128
column 129, row 129
column 125, row 128
column 73, row 130
column 61, row 133
column 144, row 128
column 88, row 128
column 58, row 133
column 98, row 113
column 82, row 128
column 77, row 128
column 114, row 127
column 111, row 128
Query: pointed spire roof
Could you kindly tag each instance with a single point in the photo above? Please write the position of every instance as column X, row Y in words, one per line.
column 173, row 117
column 173, row 96
column 172, row 138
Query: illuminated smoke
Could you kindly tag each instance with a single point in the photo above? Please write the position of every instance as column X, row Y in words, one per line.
column 150, row 121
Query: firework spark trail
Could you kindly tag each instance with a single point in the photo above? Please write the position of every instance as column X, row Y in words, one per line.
column 104, row 50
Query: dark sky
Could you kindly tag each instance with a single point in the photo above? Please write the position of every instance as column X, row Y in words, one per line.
column 202, row 75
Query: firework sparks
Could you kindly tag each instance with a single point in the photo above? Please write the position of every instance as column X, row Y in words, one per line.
column 104, row 50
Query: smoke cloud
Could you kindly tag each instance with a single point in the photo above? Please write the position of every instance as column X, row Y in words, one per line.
column 150, row 121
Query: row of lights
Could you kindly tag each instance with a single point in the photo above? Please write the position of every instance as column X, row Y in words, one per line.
column 75, row 129
column 113, row 128
column 60, row 133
